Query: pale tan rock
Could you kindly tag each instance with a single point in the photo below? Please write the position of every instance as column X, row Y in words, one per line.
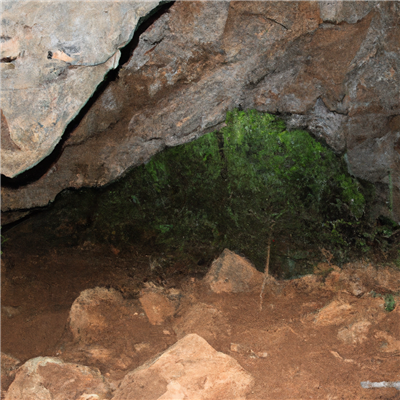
column 190, row 369
column 204, row 320
column 355, row 333
column 156, row 306
column 85, row 318
column 334, row 313
column 235, row 347
column 359, row 278
column 232, row 274
column 47, row 378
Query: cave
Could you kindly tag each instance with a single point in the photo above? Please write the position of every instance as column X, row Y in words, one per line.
column 209, row 180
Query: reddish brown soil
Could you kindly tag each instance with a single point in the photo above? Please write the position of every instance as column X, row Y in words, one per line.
column 302, row 359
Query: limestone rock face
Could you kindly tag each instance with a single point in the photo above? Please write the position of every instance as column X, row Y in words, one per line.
column 54, row 55
column 329, row 67
column 190, row 369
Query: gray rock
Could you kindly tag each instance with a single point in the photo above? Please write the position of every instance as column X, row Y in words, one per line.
column 56, row 55
column 332, row 68
column 369, row 385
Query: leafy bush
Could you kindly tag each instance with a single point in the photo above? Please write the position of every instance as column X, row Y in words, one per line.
column 390, row 303
column 228, row 188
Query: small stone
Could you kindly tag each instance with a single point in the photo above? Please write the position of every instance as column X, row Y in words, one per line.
column 235, row 347
column 156, row 306
column 232, row 274
column 11, row 311
column 354, row 333
column 333, row 313
column 141, row 346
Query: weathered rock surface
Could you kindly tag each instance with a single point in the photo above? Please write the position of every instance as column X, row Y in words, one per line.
column 204, row 320
column 86, row 318
column 53, row 56
column 46, row 378
column 330, row 67
column 157, row 306
column 359, row 278
column 233, row 274
column 190, row 369
column 9, row 364
column 110, row 332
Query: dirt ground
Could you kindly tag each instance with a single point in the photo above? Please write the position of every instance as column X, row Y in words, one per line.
column 292, row 349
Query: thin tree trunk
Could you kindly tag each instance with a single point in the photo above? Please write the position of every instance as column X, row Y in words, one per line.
column 266, row 270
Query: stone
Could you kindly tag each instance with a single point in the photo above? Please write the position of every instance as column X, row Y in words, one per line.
column 359, row 278
column 157, row 307
column 85, row 317
column 56, row 54
column 231, row 273
column 329, row 67
column 333, row 313
column 10, row 311
column 47, row 378
column 110, row 332
column 369, row 385
column 190, row 369
column 355, row 333
column 9, row 365
column 389, row 344
column 204, row 320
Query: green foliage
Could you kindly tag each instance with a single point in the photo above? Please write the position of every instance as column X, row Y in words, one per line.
column 227, row 188
column 390, row 303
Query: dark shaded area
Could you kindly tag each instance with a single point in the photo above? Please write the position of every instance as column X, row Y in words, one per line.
column 228, row 189
column 36, row 172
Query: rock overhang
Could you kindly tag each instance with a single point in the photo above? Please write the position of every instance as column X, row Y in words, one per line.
column 331, row 69
column 52, row 65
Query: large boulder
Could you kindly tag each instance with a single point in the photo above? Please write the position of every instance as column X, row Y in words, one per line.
column 47, row 378
column 54, row 55
column 190, row 369
column 330, row 67
column 231, row 273
column 110, row 332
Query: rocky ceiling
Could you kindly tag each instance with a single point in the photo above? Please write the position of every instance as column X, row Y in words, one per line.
column 67, row 122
